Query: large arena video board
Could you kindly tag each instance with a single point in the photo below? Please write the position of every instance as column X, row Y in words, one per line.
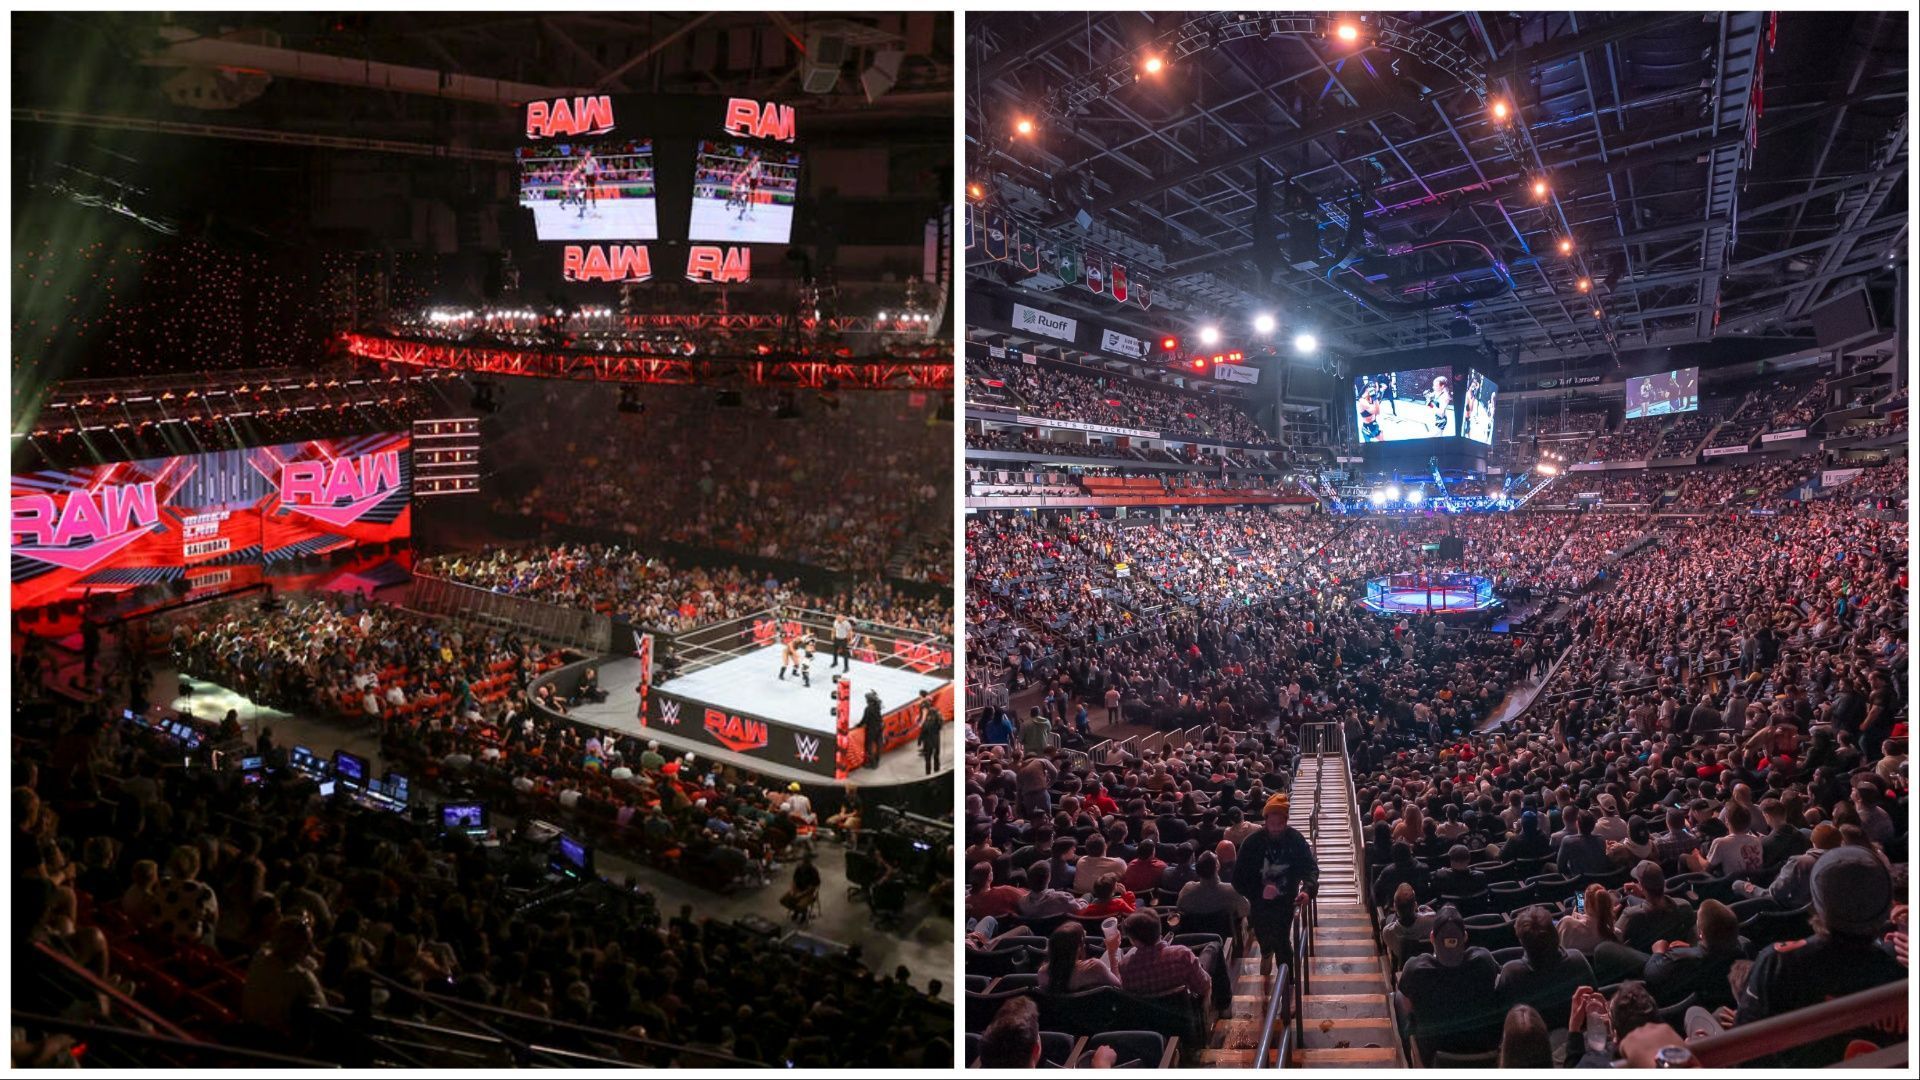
column 595, row 190
column 1396, row 406
column 1664, row 394
column 1476, row 408
column 743, row 194
column 203, row 521
column 633, row 184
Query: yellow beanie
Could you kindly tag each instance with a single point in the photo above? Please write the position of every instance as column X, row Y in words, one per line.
column 1278, row 802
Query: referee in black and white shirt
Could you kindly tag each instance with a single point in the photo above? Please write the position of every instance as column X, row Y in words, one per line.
column 842, row 641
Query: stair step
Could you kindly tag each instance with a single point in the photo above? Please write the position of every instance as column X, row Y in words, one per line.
column 1313, row 1006
column 1356, row 1057
column 1347, row 1034
column 1228, row 1059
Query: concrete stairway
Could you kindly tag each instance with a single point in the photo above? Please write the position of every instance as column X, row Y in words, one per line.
column 1346, row 1021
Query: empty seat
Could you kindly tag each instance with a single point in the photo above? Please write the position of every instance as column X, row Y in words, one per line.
column 1138, row 1049
column 1490, row 931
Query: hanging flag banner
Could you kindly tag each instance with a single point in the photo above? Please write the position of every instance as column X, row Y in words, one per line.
column 1029, row 253
column 1139, row 291
column 1069, row 263
column 1095, row 273
column 1119, row 283
column 996, row 236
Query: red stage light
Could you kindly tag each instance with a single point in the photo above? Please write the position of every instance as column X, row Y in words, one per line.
column 1168, row 344
column 1199, row 364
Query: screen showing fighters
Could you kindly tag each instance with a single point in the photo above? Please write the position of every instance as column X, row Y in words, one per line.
column 1476, row 408
column 1663, row 394
column 743, row 194
column 1395, row 406
column 593, row 190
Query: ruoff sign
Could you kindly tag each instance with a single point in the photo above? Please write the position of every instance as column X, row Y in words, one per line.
column 1046, row 324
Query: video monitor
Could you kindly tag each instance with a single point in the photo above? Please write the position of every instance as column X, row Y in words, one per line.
column 1476, row 408
column 1397, row 406
column 350, row 769
column 463, row 817
column 592, row 190
column 1664, row 394
column 571, row 857
column 743, row 194
column 304, row 760
column 397, row 788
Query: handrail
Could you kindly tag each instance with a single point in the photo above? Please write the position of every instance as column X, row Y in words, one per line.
column 166, row 1028
column 1282, row 979
column 1739, row 1045
column 107, row 1033
column 599, row 1034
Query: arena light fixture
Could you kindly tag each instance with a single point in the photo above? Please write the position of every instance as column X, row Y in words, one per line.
column 1414, row 496
column 1545, row 469
column 1199, row 363
column 976, row 192
column 1153, row 65
column 1596, row 313
column 1584, row 284
column 1566, row 245
column 1377, row 497
column 1264, row 323
column 1306, row 344
column 1024, row 126
column 1347, row 32
column 1500, row 110
column 1393, row 492
column 1169, row 343
column 1209, row 335
column 1540, row 189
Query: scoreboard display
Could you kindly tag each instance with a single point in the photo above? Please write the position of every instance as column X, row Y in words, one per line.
column 630, row 185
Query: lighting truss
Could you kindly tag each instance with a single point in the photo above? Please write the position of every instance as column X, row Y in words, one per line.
column 928, row 372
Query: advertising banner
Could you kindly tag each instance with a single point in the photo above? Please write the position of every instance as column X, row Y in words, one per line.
column 1236, row 373
column 1044, row 323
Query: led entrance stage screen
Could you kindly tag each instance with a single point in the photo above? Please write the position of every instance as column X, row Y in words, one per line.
column 220, row 520
column 595, row 190
column 1663, row 394
column 1397, row 406
column 743, row 194
column 1476, row 408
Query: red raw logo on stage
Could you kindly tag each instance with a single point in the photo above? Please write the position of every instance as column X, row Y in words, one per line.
column 317, row 489
column 123, row 514
column 580, row 116
column 736, row 733
column 751, row 119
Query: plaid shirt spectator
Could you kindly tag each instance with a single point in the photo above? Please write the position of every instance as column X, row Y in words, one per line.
column 1161, row 968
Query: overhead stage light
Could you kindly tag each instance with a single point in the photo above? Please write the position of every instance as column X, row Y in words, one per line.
column 1347, row 32
column 1209, row 335
column 1169, row 343
column 1377, row 497
column 1264, row 323
column 1500, row 110
column 1305, row 344
column 1024, row 126
column 1393, row 492
column 1566, row 245
column 975, row 191
column 1584, row 284
column 1414, row 496
column 1154, row 65
column 1540, row 189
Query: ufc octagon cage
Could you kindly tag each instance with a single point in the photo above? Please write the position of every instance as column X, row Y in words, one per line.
column 1423, row 592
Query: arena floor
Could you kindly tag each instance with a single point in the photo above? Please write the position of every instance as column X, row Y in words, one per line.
column 1417, row 601
column 608, row 219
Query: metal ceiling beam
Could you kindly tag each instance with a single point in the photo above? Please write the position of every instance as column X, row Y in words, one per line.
column 348, row 71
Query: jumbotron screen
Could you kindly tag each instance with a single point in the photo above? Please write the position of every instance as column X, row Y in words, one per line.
column 1663, row 394
column 1476, row 408
column 743, row 194
column 596, row 190
column 223, row 519
column 1396, row 406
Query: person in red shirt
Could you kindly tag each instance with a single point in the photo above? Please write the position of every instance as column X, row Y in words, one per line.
column 1143, row 873
column 1108, row 898
column 984, row 898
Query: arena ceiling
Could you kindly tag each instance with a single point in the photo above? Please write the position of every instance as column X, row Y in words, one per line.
column 1712, row 174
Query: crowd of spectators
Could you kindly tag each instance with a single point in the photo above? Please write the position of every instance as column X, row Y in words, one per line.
column 1717, row 769
column 654, row 593
column 1757, row 482
column 1112, row 399
column 1635, row 441
column 1020, row 442
column 837, row 481
column 288, row 908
